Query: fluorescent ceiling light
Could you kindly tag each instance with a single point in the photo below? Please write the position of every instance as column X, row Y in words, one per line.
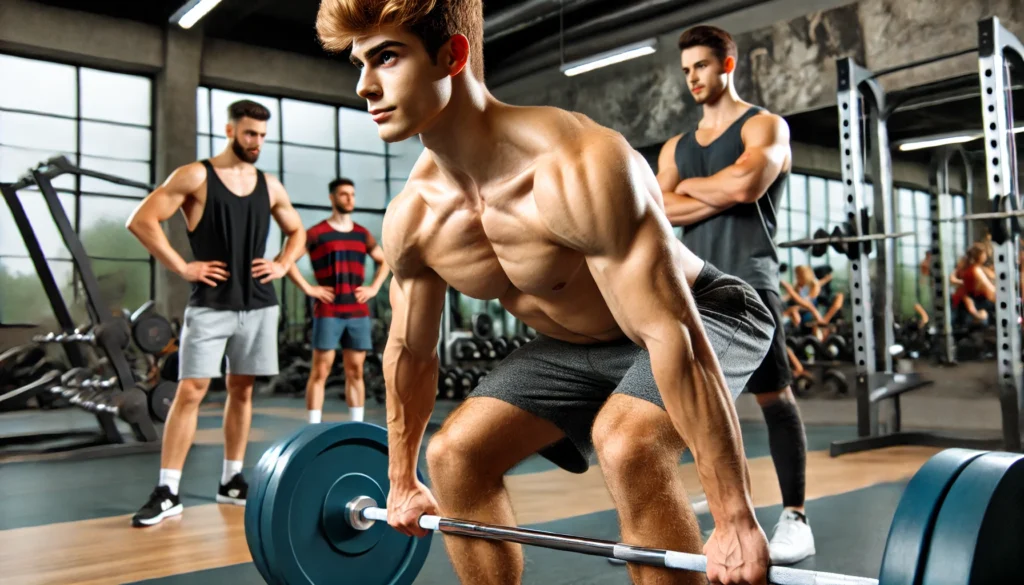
column 609, row 57
column 944, row 140
column 192, row 11
column 932, row 143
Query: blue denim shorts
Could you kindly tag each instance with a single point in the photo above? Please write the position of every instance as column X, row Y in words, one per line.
column 332, row 333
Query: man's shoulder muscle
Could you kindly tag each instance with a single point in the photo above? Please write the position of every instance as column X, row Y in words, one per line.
column 187, row 179
column 589, row 184
column 400, row 230
column 765, row 127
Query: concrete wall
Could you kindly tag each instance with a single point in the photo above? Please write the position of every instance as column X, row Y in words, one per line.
column 787, row 66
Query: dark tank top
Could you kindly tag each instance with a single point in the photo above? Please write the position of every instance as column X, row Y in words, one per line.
column 738, row 241
column 233, row 230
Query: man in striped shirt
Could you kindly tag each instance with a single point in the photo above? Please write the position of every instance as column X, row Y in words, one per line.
column 338, row 247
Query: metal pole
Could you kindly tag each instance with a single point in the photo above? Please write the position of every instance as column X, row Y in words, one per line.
column 941, row 262
column 1001, row 173
column 851, row 140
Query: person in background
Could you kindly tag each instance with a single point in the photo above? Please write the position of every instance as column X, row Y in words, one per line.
column 338, row 247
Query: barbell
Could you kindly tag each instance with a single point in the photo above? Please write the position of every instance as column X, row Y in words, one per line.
column 313, row 516
column 840, row 242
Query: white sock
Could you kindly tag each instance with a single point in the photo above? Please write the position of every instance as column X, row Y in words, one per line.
column 170, row 478
column 229, row 471
column 357, row 413
column 315, row 416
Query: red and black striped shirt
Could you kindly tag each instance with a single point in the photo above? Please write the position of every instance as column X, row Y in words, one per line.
column 339, row 261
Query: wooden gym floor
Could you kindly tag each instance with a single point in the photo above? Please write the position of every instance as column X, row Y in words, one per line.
column 68, row 522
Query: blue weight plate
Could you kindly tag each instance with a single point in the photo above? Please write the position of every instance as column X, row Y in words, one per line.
column 979, row 532
column 254, row 505
column 910, row 532
column 323, row 468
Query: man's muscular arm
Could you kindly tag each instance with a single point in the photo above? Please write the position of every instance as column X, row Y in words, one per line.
column 766, row 141
column 160, row 206
column 597, row 202
column 681, row 209
column 291, row 226
column 410, row 356
column 365, row 293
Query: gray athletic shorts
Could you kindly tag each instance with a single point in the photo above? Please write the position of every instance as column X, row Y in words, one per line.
column 568, row 383
column 247, row 338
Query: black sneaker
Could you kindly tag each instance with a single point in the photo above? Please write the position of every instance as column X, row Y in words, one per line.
column 162, row 504
column 233, row 492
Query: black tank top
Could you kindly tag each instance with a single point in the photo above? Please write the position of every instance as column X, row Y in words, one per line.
column 737, row 241
column 233, row 230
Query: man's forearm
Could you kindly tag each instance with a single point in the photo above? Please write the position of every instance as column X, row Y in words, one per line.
column 153, row 238
column 411, row 383
column 723, row 189
column 294, row 248
column 701, row 407
column 382, row 273
column 295, row 276
column 683, row 210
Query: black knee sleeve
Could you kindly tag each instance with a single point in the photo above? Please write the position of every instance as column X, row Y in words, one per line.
column 788, row 445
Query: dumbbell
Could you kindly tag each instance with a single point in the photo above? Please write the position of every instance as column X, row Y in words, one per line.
column 114, row 333
column 466, row 350
column 451, row 382
column 811, row 349
column 835, row 346
column 466, row 383
column 150, row 330
column 834, row 382
column 487, row 349
column 130, row 406
column 501, row 346
column 483, row 326
column 518, row 341
column 802, row 386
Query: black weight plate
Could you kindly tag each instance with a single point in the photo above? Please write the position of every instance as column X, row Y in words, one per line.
column 160, row 399
column 979, row 532
column 152, row 333
column 297, row 547
column 254, row 505
column 910, row 533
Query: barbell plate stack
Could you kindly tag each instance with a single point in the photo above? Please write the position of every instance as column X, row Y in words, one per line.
column 906, row 549
column 302, row 525
column 979, row 532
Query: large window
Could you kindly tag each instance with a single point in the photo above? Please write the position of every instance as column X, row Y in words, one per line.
column 101, row 121
column 309, row 144
column 812, row 202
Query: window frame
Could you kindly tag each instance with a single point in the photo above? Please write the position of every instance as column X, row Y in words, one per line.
column 77, row 192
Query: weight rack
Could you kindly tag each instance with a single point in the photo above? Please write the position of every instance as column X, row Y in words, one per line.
column 109, row 440
column 859, row 89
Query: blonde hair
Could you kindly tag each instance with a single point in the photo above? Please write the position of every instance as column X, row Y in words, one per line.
column 804, row 273
column 339, row 22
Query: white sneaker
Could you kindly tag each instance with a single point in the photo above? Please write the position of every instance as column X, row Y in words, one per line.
column 792, row 540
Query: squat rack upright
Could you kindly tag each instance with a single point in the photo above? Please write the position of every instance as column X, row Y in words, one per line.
column 858, row 88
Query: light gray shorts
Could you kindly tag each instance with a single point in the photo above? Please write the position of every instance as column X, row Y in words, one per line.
column 248, row 339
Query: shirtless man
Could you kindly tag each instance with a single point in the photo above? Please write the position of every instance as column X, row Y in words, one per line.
column 562, row 221
column 232, row 313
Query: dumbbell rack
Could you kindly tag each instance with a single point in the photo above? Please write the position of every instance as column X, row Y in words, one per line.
column 109, row 440
column 859, row 88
